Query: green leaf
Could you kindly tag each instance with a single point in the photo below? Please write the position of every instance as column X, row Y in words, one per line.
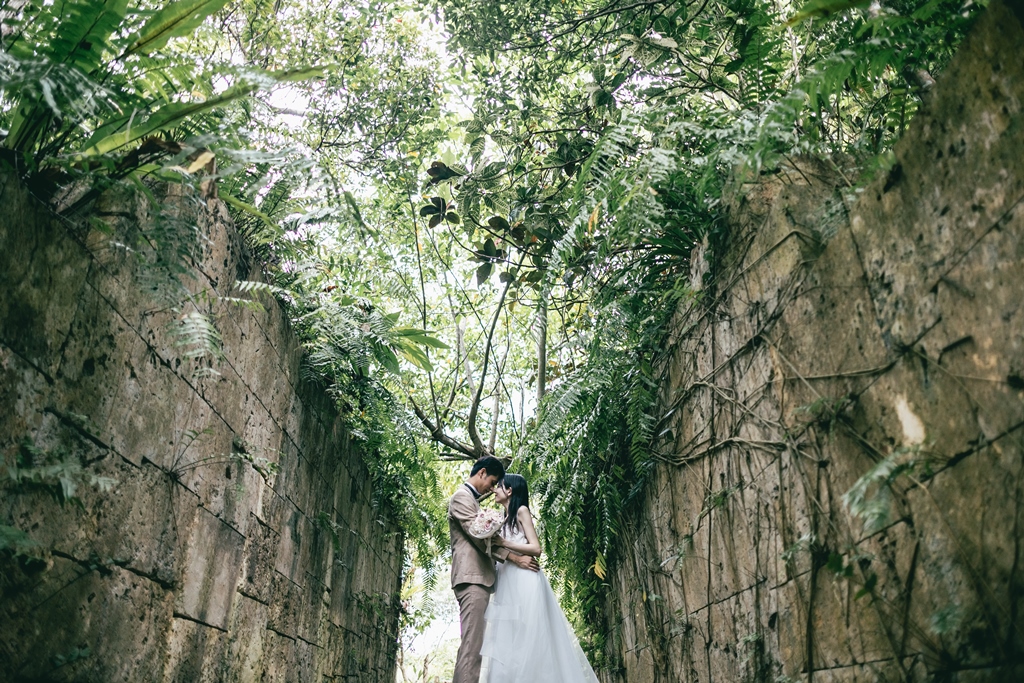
column 476, row 147
column 386, row 357
column 415, row 355
column 491, row 170
column 483, row 272
column 735, row 65
column 439, row 203
column 601, row 98
column 171, row 115
column 174, row 20
column 927, row 10
column 80, row 40
column 249, row 209
column 498, row 223
column 16, row 540
column 83, row 38
column 823, row 8
column 420, row 337
column 600, row 568
column 351, row 201
column 869, row 586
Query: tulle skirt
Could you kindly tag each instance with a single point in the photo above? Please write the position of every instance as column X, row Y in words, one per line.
column 527, row 637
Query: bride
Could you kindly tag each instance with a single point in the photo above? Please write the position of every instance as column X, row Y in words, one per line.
column 527, row 636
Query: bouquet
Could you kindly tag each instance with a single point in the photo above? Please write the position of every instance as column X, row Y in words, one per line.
column 485, row 525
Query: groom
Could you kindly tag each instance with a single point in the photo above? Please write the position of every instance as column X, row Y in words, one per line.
column 472, row 569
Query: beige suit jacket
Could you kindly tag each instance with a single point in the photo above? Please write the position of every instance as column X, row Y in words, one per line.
column 470, row 562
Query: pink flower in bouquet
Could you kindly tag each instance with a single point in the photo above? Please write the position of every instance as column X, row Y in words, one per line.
column 486, row 523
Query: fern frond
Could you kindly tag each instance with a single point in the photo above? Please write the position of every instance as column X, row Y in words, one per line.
column 197, row 336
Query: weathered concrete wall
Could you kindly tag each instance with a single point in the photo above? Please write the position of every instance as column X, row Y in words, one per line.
column 203, row 562
column 883, row 337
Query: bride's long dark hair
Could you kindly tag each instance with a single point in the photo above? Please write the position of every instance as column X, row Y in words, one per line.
column 519, row 496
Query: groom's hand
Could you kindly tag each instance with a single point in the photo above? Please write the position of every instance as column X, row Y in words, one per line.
column 525, row 562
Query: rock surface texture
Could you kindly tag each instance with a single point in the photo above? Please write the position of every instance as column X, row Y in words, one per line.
column 234, row 537
column 840, row 495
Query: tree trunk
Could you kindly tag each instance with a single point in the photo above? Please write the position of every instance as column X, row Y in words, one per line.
column 540, row 330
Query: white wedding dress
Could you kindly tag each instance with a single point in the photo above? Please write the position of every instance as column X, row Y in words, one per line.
column 527, row 637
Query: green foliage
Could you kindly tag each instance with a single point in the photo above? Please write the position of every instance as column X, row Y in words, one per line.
column 197, row 337
column 73, row 655
column 54, row 471
column 590, row 454
column 717, row 499
column 16, row 542
column 808, row 543
column 871, row 498
column 355, row 351
column 946, row 620
column 80, row 79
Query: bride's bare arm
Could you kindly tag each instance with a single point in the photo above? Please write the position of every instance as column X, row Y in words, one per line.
column 532, row 545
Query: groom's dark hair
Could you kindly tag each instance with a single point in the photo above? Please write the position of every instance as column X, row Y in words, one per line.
column 491, row 464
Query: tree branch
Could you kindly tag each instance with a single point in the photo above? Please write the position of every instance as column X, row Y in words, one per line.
column 475, row 406
column 437, row 432
column 423, row 307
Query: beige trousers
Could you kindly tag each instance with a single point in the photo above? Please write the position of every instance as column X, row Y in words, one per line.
column 473, row 600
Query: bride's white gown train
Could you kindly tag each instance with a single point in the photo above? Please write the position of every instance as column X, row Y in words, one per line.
column 527, row 637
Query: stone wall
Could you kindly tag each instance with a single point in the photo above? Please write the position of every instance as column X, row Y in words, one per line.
column 840, row 495
column 236, row 540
